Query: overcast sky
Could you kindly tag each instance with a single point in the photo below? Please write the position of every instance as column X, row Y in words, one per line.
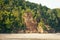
column 49, row 3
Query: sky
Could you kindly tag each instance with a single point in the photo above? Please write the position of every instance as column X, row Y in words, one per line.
column 49, row 3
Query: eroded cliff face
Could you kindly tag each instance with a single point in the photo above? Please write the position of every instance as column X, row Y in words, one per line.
column 31, row 24
column 33, row 27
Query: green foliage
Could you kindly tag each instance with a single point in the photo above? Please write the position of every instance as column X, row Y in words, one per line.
column 11, row 12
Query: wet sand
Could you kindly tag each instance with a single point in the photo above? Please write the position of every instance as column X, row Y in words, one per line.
column 33, row 36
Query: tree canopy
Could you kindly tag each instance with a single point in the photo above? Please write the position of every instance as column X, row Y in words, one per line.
column 11, row 12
